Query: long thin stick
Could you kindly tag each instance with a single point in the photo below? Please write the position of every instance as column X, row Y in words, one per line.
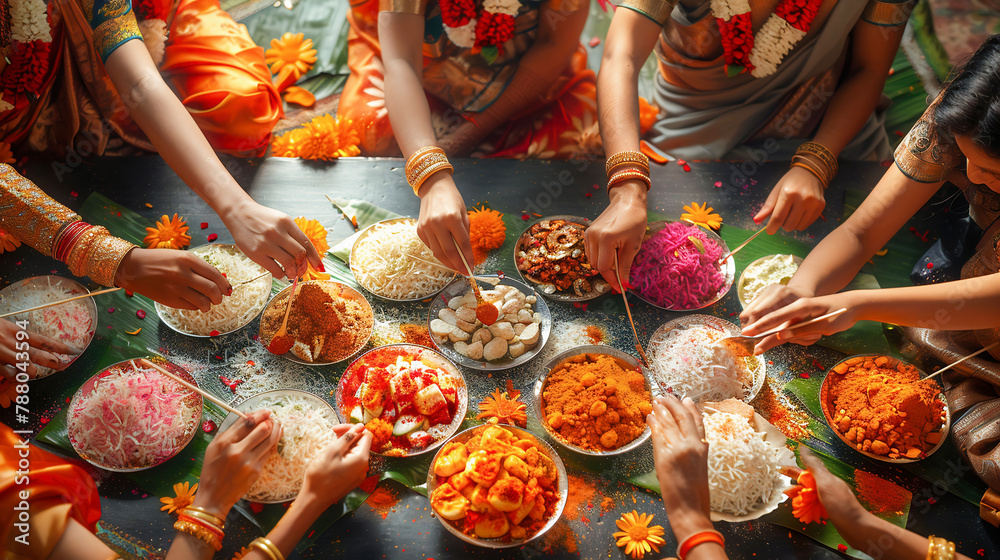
column 91, row 294
column 254, row 279
column 741, row 245
column 953, row 364
column 203, row 393
column 802, row 324
column 439, row 265
column 628, row 311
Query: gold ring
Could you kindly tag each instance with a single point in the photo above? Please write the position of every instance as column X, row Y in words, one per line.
column 703, row 440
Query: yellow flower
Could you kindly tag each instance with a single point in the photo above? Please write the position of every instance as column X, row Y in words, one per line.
column 8, row 242
column 185, row 497
column 317, row 235
column 637, row 536
column 504, row 408
column 487, row 232
column 169, row 233
column 702, row 216
column 243, row 552
column 293, row 51
column 324, row 137
column 289, row 144
column 6, row 156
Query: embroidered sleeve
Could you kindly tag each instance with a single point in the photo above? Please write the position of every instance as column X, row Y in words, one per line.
column 924, row 155
column 113, row 24
column 567, row 5
column 888, row 13
column 30, row 214
column 416, row 7
column 656, row 10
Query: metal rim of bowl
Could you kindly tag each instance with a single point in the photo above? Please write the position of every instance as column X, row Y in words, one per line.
column 198, row 250
column 728, row 269
column 463, row 394
column 557, row 295
column 292, row 357
column 824, row 405
column 73, row 286
column 447, row 348
column 364, row 234
column 688, row 321
column 563, row 485
column 742, row 278
column 89, row 385
column 230, row 419
column 539, row 386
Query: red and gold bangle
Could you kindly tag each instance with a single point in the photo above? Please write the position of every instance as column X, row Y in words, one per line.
column 66, row 238
column 699, row 538
column 204, row 515
column 200, row 530
column 79, row 252
column 627, row 157
column 628, row 175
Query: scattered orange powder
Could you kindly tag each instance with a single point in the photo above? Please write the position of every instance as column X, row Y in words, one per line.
column 416, row 334
column 382, row 500
column 596, row 334
column 792, row 422
column 581, row 494
column 880, row 496
column 560, row 538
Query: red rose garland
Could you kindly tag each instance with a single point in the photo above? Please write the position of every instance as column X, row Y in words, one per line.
column 494, row 29
column 456, row 13
column 762, row 54
column 473, row 27
column 737, row 39
column 31, row 55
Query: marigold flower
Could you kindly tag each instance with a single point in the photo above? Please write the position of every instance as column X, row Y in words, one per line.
column 702, row 216
column 806, row 506
column 504, row 407
column 486, row 231
column 8, row 242
column 317, row 235
column 6, row 155
column 169, row 233
column 637, row 536
column 185, row 497
column 291, row 50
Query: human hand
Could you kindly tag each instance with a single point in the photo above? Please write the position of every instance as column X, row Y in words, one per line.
column 794, row 203
column 836, row 496
column 773, row 297
column 33, row 348
column 271, row 239
column 444, row 220
column 618, row 230
column 177, row 279
column 680, row 454
column 802, row 310
column 234, row 460
column 339, row 468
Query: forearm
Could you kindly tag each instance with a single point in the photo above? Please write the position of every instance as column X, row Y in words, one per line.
column 832, row 264
column 880, row 539
column 188, row 547
column 685, row 523
column 851, row 105
column 290, row 528
column 968, row 304
column 618, row 91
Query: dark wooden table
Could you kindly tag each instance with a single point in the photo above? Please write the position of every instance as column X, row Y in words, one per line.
column 736, row 190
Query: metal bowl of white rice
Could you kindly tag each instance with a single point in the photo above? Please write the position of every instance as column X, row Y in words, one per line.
column 391, row 262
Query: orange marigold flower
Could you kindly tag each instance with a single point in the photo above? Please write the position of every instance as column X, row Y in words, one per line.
column 294, row 51
column 647, row 115
column 6, row 155
column 8, row 242
column 290, row 143
column 504, row 408
column 637, row 536
column 243, row 552
column 169, row 233
column 702, row 216
column 486, row 231
column 324, row 137
column 8, row 392
column 185, row 497
column 317, row 235
column 806, row 506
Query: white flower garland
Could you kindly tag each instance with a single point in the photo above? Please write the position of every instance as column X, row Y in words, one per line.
column 463, row 36
column 29, row 21
column 726, row 9
column 771, row 44
column 509, row 7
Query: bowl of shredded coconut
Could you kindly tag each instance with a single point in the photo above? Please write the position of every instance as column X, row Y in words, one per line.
column 389, row 260
column 688, row 359
column 763, row 273
column 307, row 422
column 251, row 288
column 71, row 323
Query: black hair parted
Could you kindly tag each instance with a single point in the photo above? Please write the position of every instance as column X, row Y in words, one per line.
column 970, row 104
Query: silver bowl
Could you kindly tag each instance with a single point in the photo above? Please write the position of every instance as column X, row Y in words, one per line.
column 598, row 284
column 457, row 289
column 354, row 269
column 39, row 282
column 728, row 268
column 263, row 283
column 427, row 355
column 625, row 360
column 191, row 429
column 563, row 488
column 741, row 283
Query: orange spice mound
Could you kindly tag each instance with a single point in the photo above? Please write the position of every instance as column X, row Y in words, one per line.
column 880, row 496
column 595, row 334
column 382, row 500
column 591, row 401
column 792, row 422
column 324, row 317
column 881, row 407
column 486, row 231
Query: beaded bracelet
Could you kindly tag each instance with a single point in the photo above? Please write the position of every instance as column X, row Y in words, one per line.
column 268, row 547
column 627, row 157
column 199, row 530
column 423, row 163
column 699, row 538
column 628, row 175
column 940, row 549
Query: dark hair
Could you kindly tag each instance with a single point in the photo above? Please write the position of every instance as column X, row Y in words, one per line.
column 970, row 104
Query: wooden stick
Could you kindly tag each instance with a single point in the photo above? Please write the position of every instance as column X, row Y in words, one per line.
column 91, row 294
column 953, row 364
column 203, row 393
column 741, row 245
column 628, row 311
column 254, row 279
column 439, row 265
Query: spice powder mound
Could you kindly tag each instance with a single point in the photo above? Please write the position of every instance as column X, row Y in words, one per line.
column 327, row 322
column 592, row 402
column 882, row 407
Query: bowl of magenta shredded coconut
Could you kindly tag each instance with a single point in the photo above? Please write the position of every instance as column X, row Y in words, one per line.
column 677, row 267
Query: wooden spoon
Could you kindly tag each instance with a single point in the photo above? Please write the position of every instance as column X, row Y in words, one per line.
column 740, row 246
column 281, row 343
column 628, row 311
column 485, row 312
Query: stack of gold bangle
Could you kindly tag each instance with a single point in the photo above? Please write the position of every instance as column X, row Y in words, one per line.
column 818, row 160
column 202, row 525
column 97, row 254
column 267, row 547
column 423, row 163
column 638, row 168
column 940, row 549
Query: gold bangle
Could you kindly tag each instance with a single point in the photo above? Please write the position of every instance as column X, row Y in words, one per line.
column 200, row 513
column 627, row 175
column 199, row 533
column 268, row 547
column 422, row 158
column 940, row 549
column 420, row 167
column 220, row 520
column 814, row 167
column 80, row 252
column 627, row 157
column 426, row 174
column 822, row 153
column 813, row 171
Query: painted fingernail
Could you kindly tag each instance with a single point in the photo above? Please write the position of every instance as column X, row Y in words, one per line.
column 321, row 268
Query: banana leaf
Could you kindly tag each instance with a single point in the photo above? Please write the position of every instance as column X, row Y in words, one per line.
column 323, row 21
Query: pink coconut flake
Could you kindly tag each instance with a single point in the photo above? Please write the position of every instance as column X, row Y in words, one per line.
column 673, row 272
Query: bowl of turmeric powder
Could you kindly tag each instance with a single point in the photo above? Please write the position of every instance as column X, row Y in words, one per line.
column 882, row 407
column 594, row 400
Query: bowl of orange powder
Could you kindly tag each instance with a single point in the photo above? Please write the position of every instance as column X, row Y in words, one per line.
column 594, row 400
column 880, row 406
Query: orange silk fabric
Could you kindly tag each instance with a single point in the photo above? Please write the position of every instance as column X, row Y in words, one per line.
column 220, row 75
